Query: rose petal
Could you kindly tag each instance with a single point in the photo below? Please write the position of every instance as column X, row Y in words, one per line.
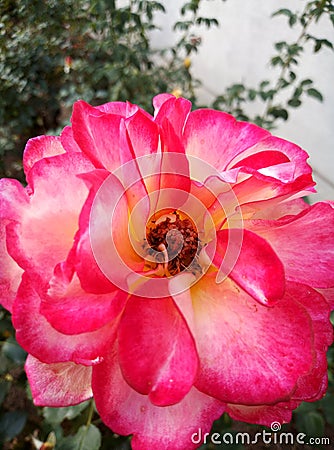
column 274, row 145
column 329, row 296
column 257, row 269
column 217, row 138
column 126, row 411
column 68, row 142
column 38, row 337
column 98, row 135
column 304, row 244
column 10, row 273
column 156, row 351
column 312, row 386
column 77, row 311
column 40, row 147
column 280, row 210
column 13, row 201
column 143, row 134
column 174, row 110
column 59, row 384
column 262, row 414
column 243, row 359
column 105, row 254
column 261, row 191
column 44, row 233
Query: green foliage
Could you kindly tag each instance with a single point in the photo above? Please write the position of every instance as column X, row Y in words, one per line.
column 52, row 53
column 277, row 98
column 11, row 424
column 86, row 438
column 57, row 415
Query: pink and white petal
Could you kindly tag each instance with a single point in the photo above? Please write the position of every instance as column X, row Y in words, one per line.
column 259, row 190
column 257, row 269
column 41, row 147
column 159, row 100
column 143, row 134
column 312, row 386
column 174, row 110
column 91, row 277
column 328, row 294
column 98, row 134
column 242, row 357
column 77, row 311
column 157, row 353
column 68, row 142
column 59, row 384
column 126, row 411
column 10, row 273
column 280, row 210
column 44, row 235
column 105, row 253
column 35, row 334
column 304, row 243
column 123, row 109
column 259, row 160
column 217, row 138
column 175, row 170
column 175, row 183
column 13, row 203
column 270, row 145
column 13, row 200
column 262, row 414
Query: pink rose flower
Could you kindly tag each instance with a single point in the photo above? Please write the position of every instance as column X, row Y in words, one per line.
column 168, row 267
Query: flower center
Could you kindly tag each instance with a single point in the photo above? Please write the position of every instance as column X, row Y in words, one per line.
column 173, row 242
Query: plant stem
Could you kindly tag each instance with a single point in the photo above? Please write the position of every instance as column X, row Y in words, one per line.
column 90, row 413
column 285, row 66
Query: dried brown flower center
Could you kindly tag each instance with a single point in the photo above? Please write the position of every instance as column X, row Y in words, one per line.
column 174, row 241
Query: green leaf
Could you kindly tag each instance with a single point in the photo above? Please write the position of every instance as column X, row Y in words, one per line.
column 292, row 75
column 252, row 94
column 264, row 83
column 311, row 423
column 279, row 113
column 13, row 351
column 327, row 404
column 293, row 20
column 282, row 11
column 280, row 45
column 57, row 415
column 312, row 92
column 294, row 102
column 87, row 438
column 277, row 61
column 306, row 82
column 4, row 388
column 182, row 26
column 11, row 424
column 318, row 43
column 286, row 12
column 332, row 18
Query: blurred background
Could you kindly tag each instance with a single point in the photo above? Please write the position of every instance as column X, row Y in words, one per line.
column 275, row 70
column 264, row 61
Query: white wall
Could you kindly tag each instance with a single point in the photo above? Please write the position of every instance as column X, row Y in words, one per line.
column 239, row 51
